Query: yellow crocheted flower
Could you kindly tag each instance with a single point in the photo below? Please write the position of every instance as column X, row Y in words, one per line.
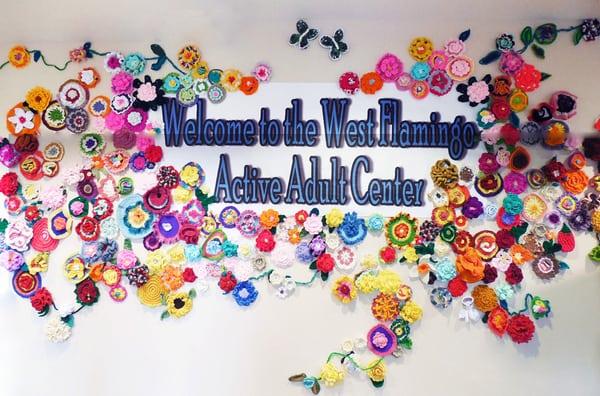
column 377, row 370
column 369, row 261
column 334, row 217
column 182, row 195
column 39, row 263
column 188, row 56
column 344, row 289
column 151, row 293
column 200, row 70
column 177, row 254
column 366, row 283
column 18, row 56
column 388, row 281
column 156, row 261
column 385, row 307
column 38, row 98
column 331, row 375
column 179, row 304
column 190, row 175
column 232, row 79
column 420, row 49
column 596, row 220
column 410, row 254
column 411, row 312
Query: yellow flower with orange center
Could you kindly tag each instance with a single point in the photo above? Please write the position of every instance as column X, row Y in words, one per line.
column 18, row 56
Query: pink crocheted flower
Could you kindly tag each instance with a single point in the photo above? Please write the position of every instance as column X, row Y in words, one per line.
column 478, row 91
column 122, row 83
column 488, row 163
column 511, row 62
column 389, row 67
column 454, row 47
column 515, row 183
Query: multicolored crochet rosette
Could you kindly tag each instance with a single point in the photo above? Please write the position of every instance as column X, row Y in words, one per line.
column 164, row 242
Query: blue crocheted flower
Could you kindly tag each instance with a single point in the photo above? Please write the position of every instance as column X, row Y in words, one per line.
column 420, row 71
column 445, row 269
column 352, row 230
column 245, row 293
column 375, row 223
column 193, row 253
column 513, row 205
column 134, row 63
column 230, row 249
column 303, row 253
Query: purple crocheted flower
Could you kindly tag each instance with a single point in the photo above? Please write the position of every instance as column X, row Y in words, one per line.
column 317, row 246
column 473, row 208
column 515, row 183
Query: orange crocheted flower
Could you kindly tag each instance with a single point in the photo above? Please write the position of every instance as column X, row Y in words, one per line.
column 520, row 254
column 385, row 307
column 38, row 98
column 18, row 56
column 249, row 85
column 370, row 83
column 469, row 266
column 485, row 298
column 294, row 236
column 96, row 272
column 269, row 218
column 575, row 182
column 172, row 278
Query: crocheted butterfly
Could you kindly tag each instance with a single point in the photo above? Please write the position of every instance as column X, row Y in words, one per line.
column 336, row 46
column 304, row 35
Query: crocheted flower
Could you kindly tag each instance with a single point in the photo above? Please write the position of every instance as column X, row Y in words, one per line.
column 313, row 224
column 472, row 208
column 331, row 375
column 485, row 298
column 18, row 56
column 520, row 329
column 469, row 266
column 445, row 269
column 385, row 307
column 511, row 62
column 38, row 98
column 352, row 230
column 57, row 330
column 411, row 312
column 505, row 42
column 344, row 290
column 370, row 83
column 454, row 47
column 420, row 48
column 512, row 204
column 590, row 29
column 87, row 293
column 513, row 274
column 148, row 94
column 349, row 83
column 528, row 78
column 389, row 67
column 325, row 263
column 420, row 71
column 179, row 304
column 245, row 293
column 134, row 63
column 515, row 183
column 262, row 72
column 188, row 56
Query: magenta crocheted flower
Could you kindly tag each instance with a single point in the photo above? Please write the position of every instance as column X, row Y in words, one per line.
column 389, row 67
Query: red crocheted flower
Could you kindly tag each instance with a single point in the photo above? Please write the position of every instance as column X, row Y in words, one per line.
column 387, row 254
column 9, row 184
column 87, row 292
column 189, row 275
column 520, row 329
column 500, row 108
column 555, row 171
column 504, row 239
column 325, row 263
column 513, row 274
column 528, row 78
column 153, row 153
column 498, row 320
column 510, row 134
column 41, row 300
column 265, row 242
column 457, row 287
column 227, row 282
column 301, row 216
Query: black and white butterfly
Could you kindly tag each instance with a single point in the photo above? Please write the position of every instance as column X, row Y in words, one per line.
column 335, row 45
column 304, row 36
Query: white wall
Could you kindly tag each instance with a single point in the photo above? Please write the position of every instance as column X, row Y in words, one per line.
column 222, row 349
